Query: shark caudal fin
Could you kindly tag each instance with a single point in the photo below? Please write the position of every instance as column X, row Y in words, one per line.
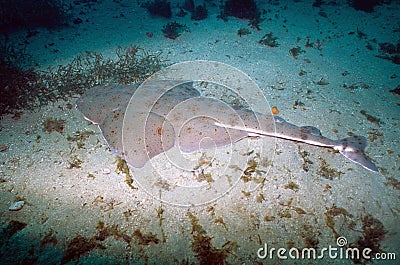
column 353, row 148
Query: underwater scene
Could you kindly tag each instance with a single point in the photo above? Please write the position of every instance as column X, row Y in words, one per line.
column 199, row 132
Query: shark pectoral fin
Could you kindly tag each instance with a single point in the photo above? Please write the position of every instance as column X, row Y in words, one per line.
column 360, row 158
column 353, row 149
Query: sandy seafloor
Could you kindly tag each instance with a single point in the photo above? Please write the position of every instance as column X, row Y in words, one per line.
column 64, row 206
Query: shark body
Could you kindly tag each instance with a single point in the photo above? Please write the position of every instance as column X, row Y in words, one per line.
column 182, row 117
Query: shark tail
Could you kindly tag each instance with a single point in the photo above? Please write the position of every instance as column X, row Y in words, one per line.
column 353, row 149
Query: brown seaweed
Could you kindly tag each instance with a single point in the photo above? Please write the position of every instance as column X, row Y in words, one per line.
column 330, row 215
column 122, row 167
column 30, row 89
column 292, row 186
column 328, row 172
column 370, row 118
column 372, row 236
column 53, row 125
column 205, row 252
column 78, row 247
column 12, row 228
column 145, row 239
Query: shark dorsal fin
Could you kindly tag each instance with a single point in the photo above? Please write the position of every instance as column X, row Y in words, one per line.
column 311, row 130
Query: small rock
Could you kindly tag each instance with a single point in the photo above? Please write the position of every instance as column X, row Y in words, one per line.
column 16, row 206
column 77, row 21
column 3, row 147
column 106, row 171
column 322, row 82
column 396, row 90
column 5, row 179
column 358, row 86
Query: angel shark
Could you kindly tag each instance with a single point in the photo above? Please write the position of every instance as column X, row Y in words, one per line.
column 139, row 128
